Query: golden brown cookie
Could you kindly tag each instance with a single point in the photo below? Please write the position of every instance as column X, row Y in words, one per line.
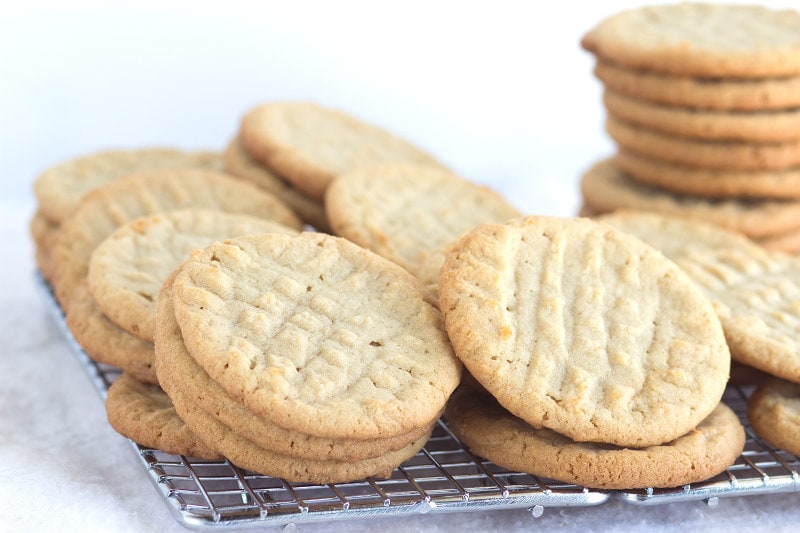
column 580, row 328
column 697, row 39
column 316, row 334
column 144, row 414
column 43, row 231
column 128, row 268
column 409, row 214
column 700, row 153
column 771, row 126
column 246, row 454
column 736, row 94
column 309, row 145
column 713, row 183
column 105, row 342
column 606, row 188
column 774, row 412
column 239, row 163
column 495, row 434
column 60, row 188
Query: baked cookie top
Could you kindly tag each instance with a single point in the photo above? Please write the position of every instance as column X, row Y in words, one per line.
column 756, row 293
column 578, row 327
column 60, row 188
column 316, row 334
column 406, row 213
column 492, row 432
column 701, row 39
column 605, row 187
column 127, row 269
column 735, row 94
column 309, row 144
column 118, row 202
column 179, row 374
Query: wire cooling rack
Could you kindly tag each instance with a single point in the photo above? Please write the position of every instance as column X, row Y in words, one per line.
column 444, row 476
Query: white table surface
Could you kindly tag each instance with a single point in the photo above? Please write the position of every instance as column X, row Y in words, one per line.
column 504, row 96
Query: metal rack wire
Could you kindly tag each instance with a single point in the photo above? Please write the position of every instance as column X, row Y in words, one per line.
column 444, row 476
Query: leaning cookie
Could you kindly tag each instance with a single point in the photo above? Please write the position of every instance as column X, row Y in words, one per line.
column 580, row 328
column 309, row 145
column 409, row 214
column 774, row 412
column 128, row 268
column 145, row 414
column 495, row 434
column 755, row 292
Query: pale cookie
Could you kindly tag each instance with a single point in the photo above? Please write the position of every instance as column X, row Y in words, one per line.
column 712, row 183
column 179, row 374
column 495, row 434
column 752, row 126
column 246, row 454
column 316, row 334
column 128, row 268
column 60, row 188
column 722, row 155
column 309, row 145
column 580, row 328
column 756, row 293
column 774, row 412
column 239, row 163
column 118, row 202
column 105, row 342
column 144, row 414
column 606, row 188
column 708, row 40
column 408, row 213
column 758, row 94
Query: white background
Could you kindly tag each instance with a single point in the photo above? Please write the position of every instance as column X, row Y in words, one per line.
column 500, row 91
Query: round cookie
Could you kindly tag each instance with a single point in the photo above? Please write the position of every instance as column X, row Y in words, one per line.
column 408, row 213
column 128, row 268
column 316, row 334
column 580, row 328
column 146, row 415
column 246, row 454
column 495, row 434
column 179, row 374
column 722, row 155
column 60, row 188
column 788, row 242
column 745, row 94
column 774, row 412
column 239, row 163
column 118, row 202
column 697, row 39
column 772, row 126
column 309, row 145
column 606, row 188
column 756, row 293
column 103, row 341
column 712, row 183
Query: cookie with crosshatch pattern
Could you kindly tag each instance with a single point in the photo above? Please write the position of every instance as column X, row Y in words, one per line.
column 316, row 334
column 580, row 328
column 755, row 292
column 774, row 412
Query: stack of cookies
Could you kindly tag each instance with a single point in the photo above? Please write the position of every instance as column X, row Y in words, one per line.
column 597, row 360
column 704, row 107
